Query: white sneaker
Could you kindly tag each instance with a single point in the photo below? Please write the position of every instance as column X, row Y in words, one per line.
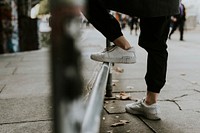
column 116, row 55
column 151, row 112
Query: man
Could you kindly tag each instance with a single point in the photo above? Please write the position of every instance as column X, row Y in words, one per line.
column 154, row 24
column 179, row 21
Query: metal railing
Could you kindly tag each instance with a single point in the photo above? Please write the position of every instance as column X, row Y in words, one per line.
column 92, row 117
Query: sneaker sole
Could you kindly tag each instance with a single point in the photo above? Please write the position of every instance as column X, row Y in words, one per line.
column 148, row 116
column 124, row 60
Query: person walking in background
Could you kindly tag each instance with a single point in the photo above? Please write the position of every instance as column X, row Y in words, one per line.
column 178, row 21
column 154, row 26
column 123, row 21
column 134, row 24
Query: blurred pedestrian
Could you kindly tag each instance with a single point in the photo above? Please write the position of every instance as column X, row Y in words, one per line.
column 154, row 26
column 178, row 21
column 134, row 24
column 123, row 21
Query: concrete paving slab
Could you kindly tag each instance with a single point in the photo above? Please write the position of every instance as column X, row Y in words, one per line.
column 134, row 125
column 29, row 70
column 116, row 106
column 194, row 95
column 176, row 83
column 175, row 120
column 10, row 57
column 193, row 77
column 90, row 70
column 3, row 64
column 7, row 71
column 175, row 94
column 28, row 127
column 29, row 63
column 25, row 109
column 130, row 72
column 25, row 86
column 167, row 107
column 38, row 58
column 193, row 105
column 128, row 85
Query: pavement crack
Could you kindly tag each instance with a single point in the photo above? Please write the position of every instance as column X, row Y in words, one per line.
column 178, row 105
column 197, row 90
column 7, row 64
column 14, row 71
column 113, row 113
column 20, row 122
column 151, row 128
column 181, row 96
column 174, row 101
column 198, row 111
column 2, row 88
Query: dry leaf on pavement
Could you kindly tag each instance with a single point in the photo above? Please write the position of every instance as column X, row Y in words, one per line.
column 118, row 69
column 120, row 123
column 123, row 96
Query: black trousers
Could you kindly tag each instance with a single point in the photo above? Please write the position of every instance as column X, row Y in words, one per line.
column 179, row 24
column 153, row 36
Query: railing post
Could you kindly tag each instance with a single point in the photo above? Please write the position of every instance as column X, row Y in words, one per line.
column 109, row 82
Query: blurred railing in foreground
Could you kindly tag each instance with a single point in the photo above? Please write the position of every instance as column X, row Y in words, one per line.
column 70, row 113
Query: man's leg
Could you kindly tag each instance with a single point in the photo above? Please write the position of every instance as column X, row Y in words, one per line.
column 181, row 29
column 153, row 37
column 99, row 16
column 174, row 27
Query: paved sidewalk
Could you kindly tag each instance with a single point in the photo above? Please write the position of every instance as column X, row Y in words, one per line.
column 25, row 88
column 179, row 100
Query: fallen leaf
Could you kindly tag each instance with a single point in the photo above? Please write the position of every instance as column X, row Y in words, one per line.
column 113, row 84
column 130, row 87
column 118, row 69
column 115, row 81
column 120, row 123
column 123, row 96
column 106, row 102
column 117, row 116
column 183, row 74
column 117, row 124
column 127, row 97
column 124, row 121
column 117, row 96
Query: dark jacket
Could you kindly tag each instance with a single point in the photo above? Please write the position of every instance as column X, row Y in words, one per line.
column 144, row 8
column 181, row 16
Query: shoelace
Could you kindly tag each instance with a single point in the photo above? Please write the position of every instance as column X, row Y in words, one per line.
column 109, row 48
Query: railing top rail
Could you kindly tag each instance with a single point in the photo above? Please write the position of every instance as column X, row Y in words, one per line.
column 92, row 118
